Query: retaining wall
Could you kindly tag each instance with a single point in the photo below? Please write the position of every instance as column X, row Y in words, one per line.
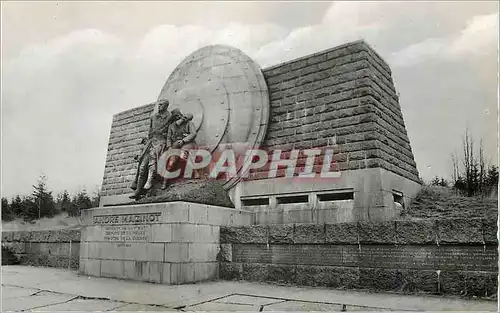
column 51, row 248
column 432, row 256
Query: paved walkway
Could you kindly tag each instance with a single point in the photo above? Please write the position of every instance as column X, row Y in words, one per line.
column 49, row 289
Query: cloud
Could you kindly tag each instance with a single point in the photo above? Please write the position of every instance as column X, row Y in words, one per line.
column 479, row 37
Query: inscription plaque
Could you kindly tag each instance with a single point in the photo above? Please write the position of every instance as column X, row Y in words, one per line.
column 122, row 233
column 372, row 256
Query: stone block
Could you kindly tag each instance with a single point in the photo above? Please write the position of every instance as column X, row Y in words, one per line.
column 16, row 235
column 206, row 271
column 281, row 234
column 166, row 273
column 25, row 235
column 377, row 232
column 244, row 234
column 481, row 284
column 7, row 236
column 380, row 279
column 454, row 231
column 161, row 232
column 453, row 282
column 309, row 233
column 134, row 270
column 230, row 271
column 252, row 253
column 127, row 251
column 281, row 273
column 113, row 269
column 203, row 252
column 466, row 257
column 39, row 236
column 346, row 233
column 419, row 281
column 199, row 214
column 416, row 232
column 490, row 229
column 327, row 276
column 64, row 235
column 90, row 267
column 255, row 272
column 194, row 233
column 181, row 273
column 16, row 247
column 225, row 253
column 74, row 262
column 177, row 214
column 176, row 252
column 156, row 272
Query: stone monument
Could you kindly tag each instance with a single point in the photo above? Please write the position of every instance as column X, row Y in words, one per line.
column 338, row 106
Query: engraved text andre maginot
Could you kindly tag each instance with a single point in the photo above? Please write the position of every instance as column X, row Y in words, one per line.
column 138, row 218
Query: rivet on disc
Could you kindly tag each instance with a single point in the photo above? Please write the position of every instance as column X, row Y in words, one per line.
column 258, row 109
column 216, row 135
column 222, row 101
column 209, row 79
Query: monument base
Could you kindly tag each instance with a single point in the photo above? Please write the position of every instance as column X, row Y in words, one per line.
column 371, row 194
column 168, row 243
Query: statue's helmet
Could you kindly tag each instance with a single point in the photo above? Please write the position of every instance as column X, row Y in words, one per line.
column 162, row 105
column 176, row 112
column 163, row 102
column 188, row 117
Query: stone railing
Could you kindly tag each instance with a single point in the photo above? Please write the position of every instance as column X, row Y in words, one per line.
column 433, row 256
column 52, row 248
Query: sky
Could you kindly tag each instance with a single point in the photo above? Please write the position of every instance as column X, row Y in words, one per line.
column 67, row 67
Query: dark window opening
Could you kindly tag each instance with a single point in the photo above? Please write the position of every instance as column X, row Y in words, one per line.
column 398, row 198
column 336, row 196
column 255, row 201
column 293, row 199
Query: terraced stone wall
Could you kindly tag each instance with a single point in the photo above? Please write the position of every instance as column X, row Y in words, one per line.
column 433, row 256
column 51, row 248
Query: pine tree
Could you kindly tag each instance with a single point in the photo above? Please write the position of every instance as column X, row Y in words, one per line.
column 16, row 206
column 492, row 178
column 43, row 199
column 7, row 214
column 80, row 201
column 64, row 201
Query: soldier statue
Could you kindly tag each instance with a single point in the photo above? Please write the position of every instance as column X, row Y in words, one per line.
column 155, row 146
column 181, row 135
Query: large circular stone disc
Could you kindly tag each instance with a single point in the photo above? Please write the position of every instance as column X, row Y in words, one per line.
column 226, row 92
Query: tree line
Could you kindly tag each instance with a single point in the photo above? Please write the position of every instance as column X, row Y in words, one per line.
column 472, row 175
column 41, row 203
